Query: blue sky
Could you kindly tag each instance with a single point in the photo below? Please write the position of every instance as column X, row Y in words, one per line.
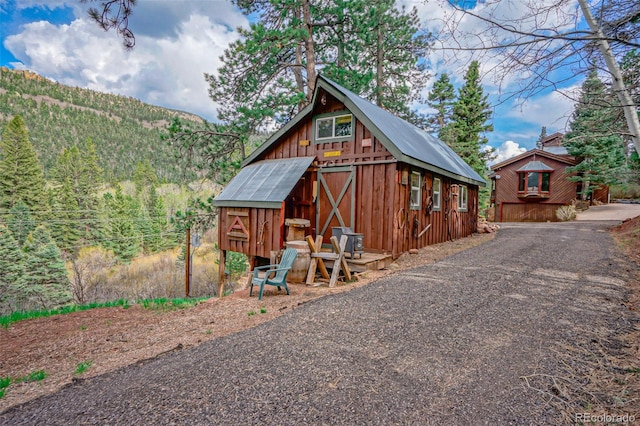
column 177, row 41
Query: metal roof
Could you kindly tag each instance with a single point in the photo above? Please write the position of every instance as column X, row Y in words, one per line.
column 558, row 150
column 405, row 141
column 535, row 166
column 264, row 184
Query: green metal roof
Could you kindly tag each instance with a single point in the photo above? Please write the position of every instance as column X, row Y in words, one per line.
column 264, row 184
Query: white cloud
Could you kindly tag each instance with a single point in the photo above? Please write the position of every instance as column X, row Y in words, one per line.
column 166, row 71
column 507, row 150
column 552, row 110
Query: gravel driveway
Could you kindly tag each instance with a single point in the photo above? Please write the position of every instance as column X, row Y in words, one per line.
column 448, row 343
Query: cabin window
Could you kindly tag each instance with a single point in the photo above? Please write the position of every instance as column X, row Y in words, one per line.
column 416, row 193
column 462, row 197
column 534, row 183
column 436, row 194
column 334, row 127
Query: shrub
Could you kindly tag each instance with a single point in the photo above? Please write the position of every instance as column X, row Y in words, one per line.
column 566, row 213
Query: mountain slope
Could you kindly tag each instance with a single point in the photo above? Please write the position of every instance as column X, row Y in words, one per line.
column 124, row 130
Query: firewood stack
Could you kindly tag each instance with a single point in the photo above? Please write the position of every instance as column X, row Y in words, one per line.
column 485, row 227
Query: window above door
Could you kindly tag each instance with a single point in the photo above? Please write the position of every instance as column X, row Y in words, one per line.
column 333, row 127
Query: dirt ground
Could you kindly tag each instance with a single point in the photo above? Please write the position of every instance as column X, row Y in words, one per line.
column 111, row 338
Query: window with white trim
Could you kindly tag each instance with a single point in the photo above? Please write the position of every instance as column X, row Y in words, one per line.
column 416, row 193
column 333, row 127
column 435, row 198
column 462, row 198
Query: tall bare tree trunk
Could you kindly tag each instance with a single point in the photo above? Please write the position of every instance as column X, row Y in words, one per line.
column 297, row 69
column 628, row 106
column 310, row 51
column 379, row 66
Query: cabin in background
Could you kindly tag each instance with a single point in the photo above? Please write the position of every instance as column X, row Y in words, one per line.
column 530, row 187
column 345, row 162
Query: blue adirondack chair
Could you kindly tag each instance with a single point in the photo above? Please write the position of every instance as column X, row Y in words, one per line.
column 275, row 275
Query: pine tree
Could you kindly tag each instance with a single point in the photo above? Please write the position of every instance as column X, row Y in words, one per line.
column 119, row 232
column 21, row 176
column 144, row 176
column 543, row 134
column 471, row 112
column 163, row 236
column 442, row 98
column 20, row 222
column 78, row 168
column 46, row 283
column 67, row 228
column 593, row 139
column 375, row 50
column 369, row 47
column 11, row 271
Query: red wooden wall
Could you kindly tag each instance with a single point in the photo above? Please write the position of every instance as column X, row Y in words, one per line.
column 382, row 211
column 510, row 208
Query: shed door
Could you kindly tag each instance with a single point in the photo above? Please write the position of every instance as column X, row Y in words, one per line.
column 336, row 198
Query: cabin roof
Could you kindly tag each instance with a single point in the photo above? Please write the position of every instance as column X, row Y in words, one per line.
column 264, row 184
column 558, row 150
column 405, row 141
column 535, row 166
column 533, row 153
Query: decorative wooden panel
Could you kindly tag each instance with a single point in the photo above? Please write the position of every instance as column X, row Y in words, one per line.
column 264, row 229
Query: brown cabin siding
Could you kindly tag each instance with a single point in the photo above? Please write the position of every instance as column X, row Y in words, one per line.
column 381, row 201
column 510, row 208
column 264, row 228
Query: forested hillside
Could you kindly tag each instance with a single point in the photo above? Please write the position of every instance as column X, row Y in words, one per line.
column 124, row 130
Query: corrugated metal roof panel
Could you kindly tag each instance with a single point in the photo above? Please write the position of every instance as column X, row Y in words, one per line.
column 411, row 140
column 535, row 166
column 263, row 184
column 558, row 150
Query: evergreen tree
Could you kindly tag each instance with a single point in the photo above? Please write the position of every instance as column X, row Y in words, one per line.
column 21, row 176
column 78, row 174
column 593, row 138
column 144, row 177
column 376, row 50
column 46, row 283
column 20, row 222
column 442, row 98
column 269, row 74
column 471, row 112
column 164, row 237
column 11, row 271
column 543, row 134
column 67, row 228
column 119, row 232
column 465, row 133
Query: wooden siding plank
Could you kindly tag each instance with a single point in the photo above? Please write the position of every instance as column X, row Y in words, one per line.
column 388, row 212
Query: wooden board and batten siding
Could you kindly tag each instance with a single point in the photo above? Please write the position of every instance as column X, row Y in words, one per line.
column 259, row 226
column 379, row 197
column 510, row 207
column 358, row 180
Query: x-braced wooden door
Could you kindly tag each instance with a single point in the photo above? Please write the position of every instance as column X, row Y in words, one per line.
column 336, row 199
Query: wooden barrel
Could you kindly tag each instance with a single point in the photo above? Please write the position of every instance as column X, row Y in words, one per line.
column 298, row 272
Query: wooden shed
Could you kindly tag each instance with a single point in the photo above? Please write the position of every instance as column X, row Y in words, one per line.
column 345, row 162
